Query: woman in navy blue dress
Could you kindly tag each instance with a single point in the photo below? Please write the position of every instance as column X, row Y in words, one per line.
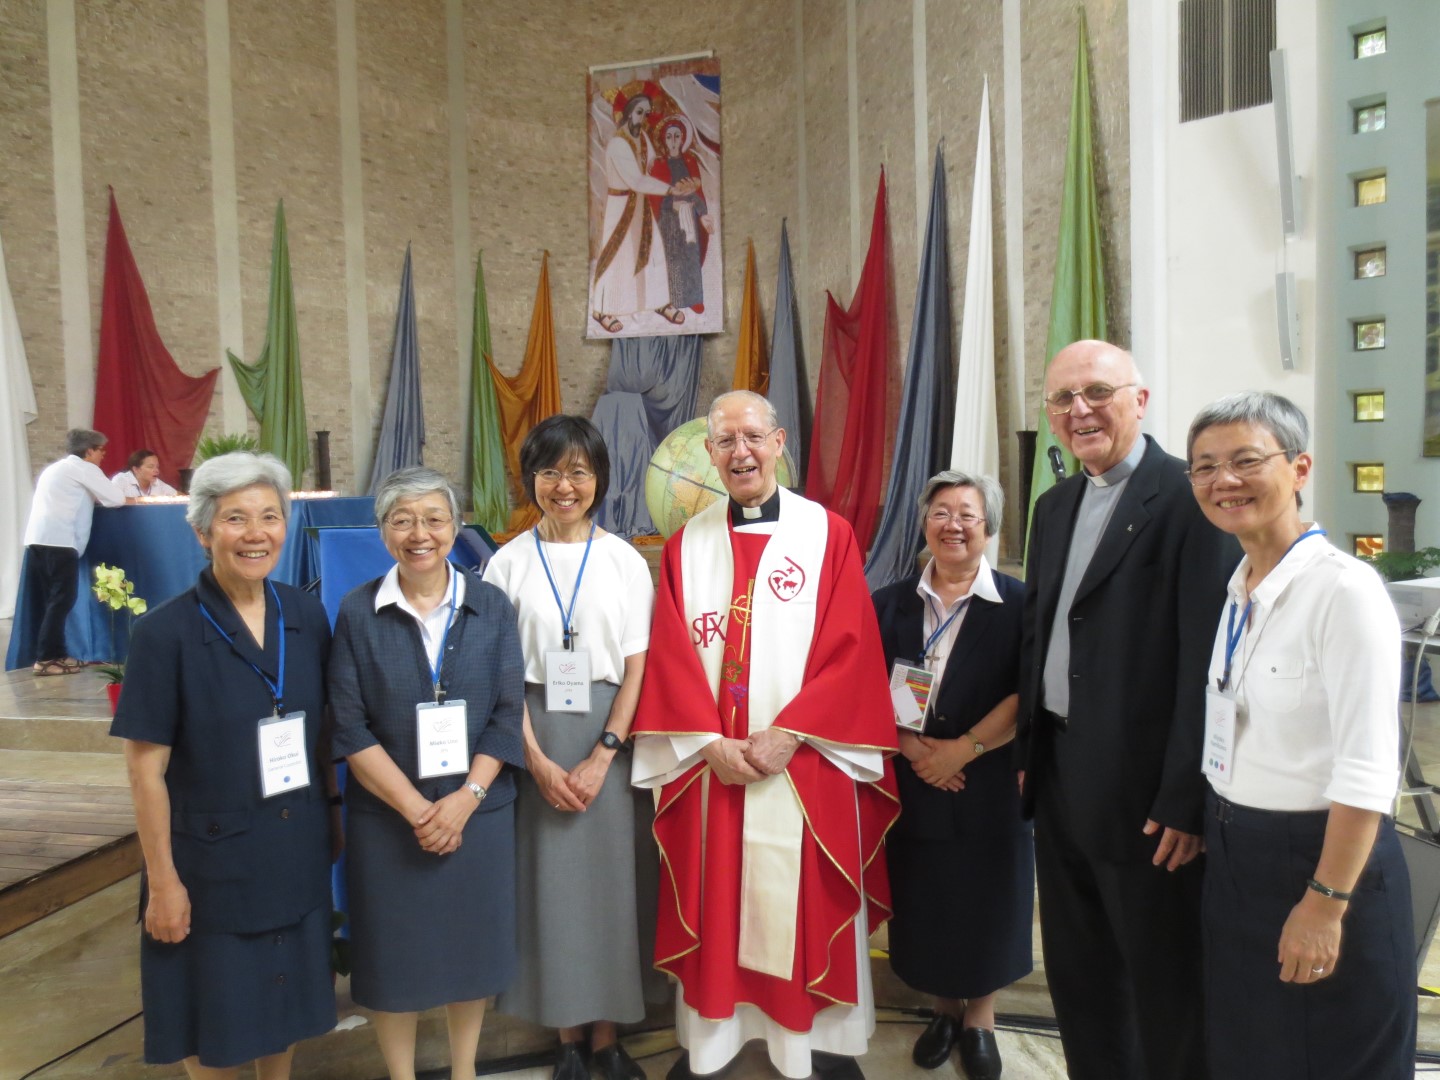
column 961, row 859
column 221, row 714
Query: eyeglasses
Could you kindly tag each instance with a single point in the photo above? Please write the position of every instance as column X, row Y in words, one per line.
column 753, row 439
column 1242, row 467
column 944, row 517
column 577, row 477
column 406, row 522
column 1096, row 395
column 241, row 522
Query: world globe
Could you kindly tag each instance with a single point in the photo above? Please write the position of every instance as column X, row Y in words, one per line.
column 681, row 481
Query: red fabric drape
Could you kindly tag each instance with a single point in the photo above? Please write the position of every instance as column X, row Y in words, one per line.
column 142, row 398
column 848, row 444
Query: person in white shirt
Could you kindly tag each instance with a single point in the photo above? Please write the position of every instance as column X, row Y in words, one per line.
column 140, row 479
column 56, row 535
column 1309, row 944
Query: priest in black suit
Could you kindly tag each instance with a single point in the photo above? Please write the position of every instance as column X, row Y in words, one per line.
column 1125, row 580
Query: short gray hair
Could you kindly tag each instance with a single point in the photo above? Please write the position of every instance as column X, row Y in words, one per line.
column 1278, row 415
column 80, row 441
column 219, row 476
column 991, row 494
column 760, row 401
column 402, row 485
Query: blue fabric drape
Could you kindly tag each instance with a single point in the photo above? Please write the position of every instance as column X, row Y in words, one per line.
column 650, row 391
column 789, row 385
column 927, row 405
column 402, row 432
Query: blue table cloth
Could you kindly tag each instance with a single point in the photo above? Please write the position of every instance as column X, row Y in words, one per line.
column 160, row 554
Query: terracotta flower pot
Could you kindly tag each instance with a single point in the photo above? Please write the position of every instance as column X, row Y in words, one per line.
column 112, row 690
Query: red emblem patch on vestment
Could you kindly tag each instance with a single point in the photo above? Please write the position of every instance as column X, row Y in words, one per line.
column 787, row 582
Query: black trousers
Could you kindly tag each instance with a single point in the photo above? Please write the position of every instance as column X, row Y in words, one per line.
column 1358, row 1023
column 1122, row 951
column 54, row 569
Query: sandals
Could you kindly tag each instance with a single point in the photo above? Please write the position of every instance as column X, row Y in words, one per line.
column 56, row 667
column 670, row 314
column 609, row 323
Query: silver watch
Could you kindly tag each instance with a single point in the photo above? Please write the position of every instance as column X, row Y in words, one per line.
column 477, row 790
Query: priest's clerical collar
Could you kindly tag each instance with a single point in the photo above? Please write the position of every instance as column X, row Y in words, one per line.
column 769, row 510
column 1120, row 470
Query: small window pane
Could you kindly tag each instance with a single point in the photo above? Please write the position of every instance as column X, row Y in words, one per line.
column 1371, row 43
column 1370, row 263
column 1370, row 478
column 1370, row 335
column 1367, row 546
column 1370, row 191
column 1370, row 407
column 1369, row 119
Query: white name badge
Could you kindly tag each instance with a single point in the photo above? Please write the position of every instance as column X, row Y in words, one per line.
column 442, row 737
column 1219, row 762
column 910, row 689
column 284, row 760
column 567, row 680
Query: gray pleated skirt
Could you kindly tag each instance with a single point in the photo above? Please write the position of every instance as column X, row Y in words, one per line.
column 586, row 885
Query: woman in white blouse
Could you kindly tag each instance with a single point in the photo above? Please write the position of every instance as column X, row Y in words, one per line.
column 1309, row 946
column 583, row 598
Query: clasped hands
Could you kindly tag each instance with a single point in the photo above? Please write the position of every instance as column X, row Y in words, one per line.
column 939, row 762
column 744, row 761
column 439, row 827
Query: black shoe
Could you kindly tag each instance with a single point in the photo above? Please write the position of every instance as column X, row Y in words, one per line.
column 980, row 1054
column 835, row 1066
column 932, row 1048
column 613, row 1063
column 570, row 1063
column 681, row 1069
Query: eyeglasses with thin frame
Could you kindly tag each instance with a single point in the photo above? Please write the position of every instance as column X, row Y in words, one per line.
column 753, row 439
column 1242, row 468
column 238, row 522
column 432, row 522
column 577, row 477
column 942, row 518
column 1096, row 395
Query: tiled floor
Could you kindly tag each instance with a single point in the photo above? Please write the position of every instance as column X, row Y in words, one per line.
column 69, row 984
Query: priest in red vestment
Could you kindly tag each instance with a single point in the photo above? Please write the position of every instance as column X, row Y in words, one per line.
column 765, row 721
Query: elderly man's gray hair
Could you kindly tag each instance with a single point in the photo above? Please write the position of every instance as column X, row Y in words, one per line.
column 80, row 441
column 991, row 494
column 402, row 485
column 219, row 476
column 1278, row 415
column 760, row 401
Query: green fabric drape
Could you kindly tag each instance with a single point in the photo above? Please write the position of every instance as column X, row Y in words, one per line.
column 1077, row 293
column 488, row 491
column 272, row 386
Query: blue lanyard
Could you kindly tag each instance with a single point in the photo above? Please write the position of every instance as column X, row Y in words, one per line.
column 565, row 615
column 277, row 689
column 1234, row 633
column 449, row 622
column 933, row 638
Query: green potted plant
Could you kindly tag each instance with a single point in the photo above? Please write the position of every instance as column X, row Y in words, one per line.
column 215, row 445
column 1406, row 566
column 117, row 592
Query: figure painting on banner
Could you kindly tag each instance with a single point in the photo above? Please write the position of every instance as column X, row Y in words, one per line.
column 654, row 206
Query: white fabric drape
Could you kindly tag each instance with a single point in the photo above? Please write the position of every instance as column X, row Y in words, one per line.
column 976, row 446
column 17, row 407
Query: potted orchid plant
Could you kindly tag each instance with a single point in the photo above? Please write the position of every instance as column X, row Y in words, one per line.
column 117, row 592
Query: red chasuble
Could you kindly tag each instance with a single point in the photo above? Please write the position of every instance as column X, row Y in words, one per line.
column 844, row 701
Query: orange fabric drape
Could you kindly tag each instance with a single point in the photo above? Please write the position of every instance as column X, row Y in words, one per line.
column 531, row 396
column 752, row 364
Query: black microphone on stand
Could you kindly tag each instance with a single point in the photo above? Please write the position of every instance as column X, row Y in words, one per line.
column 1057, row 463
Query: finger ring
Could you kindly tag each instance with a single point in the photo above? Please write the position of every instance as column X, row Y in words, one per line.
column 557, row 806
column 1317, row 971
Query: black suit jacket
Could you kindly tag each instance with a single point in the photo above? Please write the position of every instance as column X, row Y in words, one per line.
column 983, row 670
column 1142, row 626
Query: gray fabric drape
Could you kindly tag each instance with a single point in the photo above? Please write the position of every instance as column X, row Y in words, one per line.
column 402, row 431
column 927, row 406
column 650, row 391
column 789, row 385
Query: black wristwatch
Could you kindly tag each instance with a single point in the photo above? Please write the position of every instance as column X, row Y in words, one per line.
column 611, row 741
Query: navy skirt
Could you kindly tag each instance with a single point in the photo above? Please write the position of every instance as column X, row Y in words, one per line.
column 1357, row 1024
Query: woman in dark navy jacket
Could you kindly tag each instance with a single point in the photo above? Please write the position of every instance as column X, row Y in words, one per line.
column 961, row 859
column 427, row 683
column 221, row 715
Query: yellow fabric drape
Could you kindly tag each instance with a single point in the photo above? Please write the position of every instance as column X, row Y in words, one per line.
column 531, row 396
column 752, row 362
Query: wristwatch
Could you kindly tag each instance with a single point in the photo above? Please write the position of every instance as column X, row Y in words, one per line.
column 611, row 741
column 978, row 746
column 477, row 790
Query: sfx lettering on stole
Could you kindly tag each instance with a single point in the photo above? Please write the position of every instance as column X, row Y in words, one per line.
column 706, row 628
